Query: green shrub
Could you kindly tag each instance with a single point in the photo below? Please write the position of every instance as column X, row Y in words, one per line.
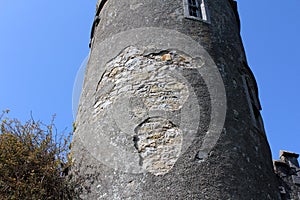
column 34, row 161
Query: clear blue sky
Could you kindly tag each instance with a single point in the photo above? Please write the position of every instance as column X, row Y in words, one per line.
column 42, row 44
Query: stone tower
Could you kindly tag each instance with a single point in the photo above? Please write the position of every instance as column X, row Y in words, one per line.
column 169, row 107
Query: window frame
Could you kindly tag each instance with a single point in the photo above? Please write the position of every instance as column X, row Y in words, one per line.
column 202, row 13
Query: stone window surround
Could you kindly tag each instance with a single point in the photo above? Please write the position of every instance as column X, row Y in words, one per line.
column 203, row 11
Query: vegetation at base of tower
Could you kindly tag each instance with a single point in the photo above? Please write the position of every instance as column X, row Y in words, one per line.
column 34, row 161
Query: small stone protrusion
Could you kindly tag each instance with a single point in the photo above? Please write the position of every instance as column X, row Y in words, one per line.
column 282, row 190
column 236, row 114
column 166, row 57
column 290, row 158
column 201, row 156
column 296, row 179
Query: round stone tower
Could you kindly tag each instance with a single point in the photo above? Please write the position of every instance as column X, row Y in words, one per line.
column 169, row 107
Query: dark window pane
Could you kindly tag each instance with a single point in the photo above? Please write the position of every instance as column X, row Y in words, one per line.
column 192, row 2
column 193, row 12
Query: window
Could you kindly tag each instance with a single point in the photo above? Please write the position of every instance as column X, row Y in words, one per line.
column 196, row 9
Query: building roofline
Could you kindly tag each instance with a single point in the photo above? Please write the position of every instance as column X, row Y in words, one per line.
column 288, row 154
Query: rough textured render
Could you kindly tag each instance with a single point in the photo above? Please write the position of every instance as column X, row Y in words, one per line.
column 169, row 107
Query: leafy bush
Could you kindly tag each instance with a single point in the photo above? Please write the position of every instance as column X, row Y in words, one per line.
column 34, row 161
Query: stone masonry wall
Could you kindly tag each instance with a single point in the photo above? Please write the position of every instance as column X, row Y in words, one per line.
column 164, row 112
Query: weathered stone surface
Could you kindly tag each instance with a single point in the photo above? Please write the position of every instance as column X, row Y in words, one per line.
column 158, row 142
column 288, row 173
column 164, row 112
column 145, row 77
